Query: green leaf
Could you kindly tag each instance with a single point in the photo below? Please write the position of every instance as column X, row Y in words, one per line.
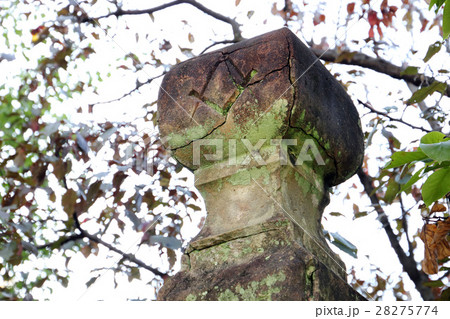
column 412, row 180
column 446, row 20
column 432, row 50
column 410, row 70
column 402, row 158
column 438, row 4
column 40, row 282
column 134, row 273
column 344, row 245
column 93, row 192
column 425, row 91
column 432, row 3
column 436, row 186
column 436, row 146
column 437, row 283
column 359, row 215
column 438, row 151
column 336, row 214
column 392, row 190
column 432, row 137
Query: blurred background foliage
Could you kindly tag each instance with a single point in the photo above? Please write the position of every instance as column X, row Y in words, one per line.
column 78, row 179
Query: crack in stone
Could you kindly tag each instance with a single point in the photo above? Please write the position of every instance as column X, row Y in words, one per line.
column 228, row 53
column 240, row 89
column 236, row 75
column 290, row 80
column 245, row 79
column 226, row 240
column 267, row 74
column 199, row 95
column 293, row 80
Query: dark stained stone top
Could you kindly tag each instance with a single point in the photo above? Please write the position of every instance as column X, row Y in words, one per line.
column 225, row 93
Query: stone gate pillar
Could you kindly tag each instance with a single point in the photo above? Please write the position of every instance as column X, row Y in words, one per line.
column 267, row 130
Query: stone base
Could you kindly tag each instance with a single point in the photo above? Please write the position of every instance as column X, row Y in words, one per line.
column 261, row 264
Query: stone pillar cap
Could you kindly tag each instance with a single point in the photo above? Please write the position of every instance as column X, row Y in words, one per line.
column 266, row 87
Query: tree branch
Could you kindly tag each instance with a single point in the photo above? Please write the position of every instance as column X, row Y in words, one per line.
column 405, row 227
column 237, row 35
column 126, row 256
column 435, row 125
column 391, row 118
column 138, row 86
column 376, row 64
column 217, row 43
column 408, row 262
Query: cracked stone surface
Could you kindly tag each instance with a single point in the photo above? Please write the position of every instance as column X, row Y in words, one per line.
column 262, row 239
column 230, row 93
column 266, row 266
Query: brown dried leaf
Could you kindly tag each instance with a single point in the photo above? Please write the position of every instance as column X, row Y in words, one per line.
column 429, row 264
column 86, row 251
column 94, row 248
column 19, row 160
column 438, row 208
column 443, row 249
column 350, row 8
column 440, row 239
column 437, row 246
column 442, row 229
column 172, row 257
column 119, row 177
column 59, row 169
column 68, row 201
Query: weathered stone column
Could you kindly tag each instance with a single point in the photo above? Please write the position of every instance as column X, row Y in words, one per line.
column 267, row 130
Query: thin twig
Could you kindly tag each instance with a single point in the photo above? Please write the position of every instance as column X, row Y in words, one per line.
column 391, row 118
column 138, row 86
column 217, row 43
column 237, row 36
column 126, row 256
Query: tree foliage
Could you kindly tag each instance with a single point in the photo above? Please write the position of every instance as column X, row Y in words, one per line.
column 72, row 184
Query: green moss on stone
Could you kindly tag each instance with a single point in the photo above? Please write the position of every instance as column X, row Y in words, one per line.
column 240, row 178
column 227, row 295
column 193, row 133
column 260, row 172
column 191, row 297
column 255, row 290
column 309, row 278
column 244, row 177
column 303, row 183
column 268, row 125
column 216, row 107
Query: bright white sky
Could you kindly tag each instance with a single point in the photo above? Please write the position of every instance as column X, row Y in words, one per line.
column 366, row 232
